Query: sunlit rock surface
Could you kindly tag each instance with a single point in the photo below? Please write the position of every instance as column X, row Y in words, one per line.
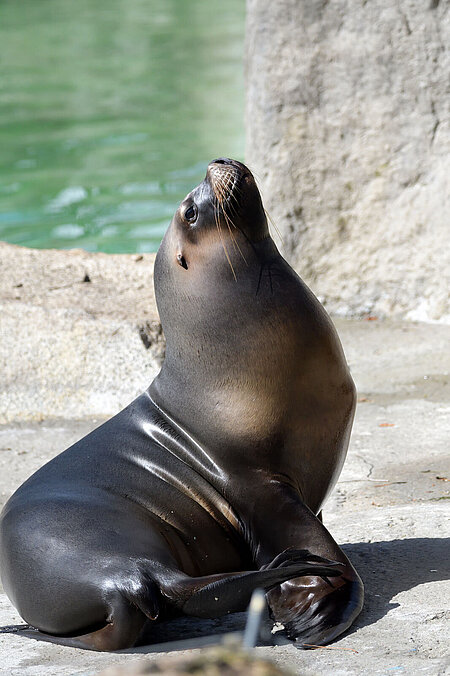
column 348, row 131
column 80, row 334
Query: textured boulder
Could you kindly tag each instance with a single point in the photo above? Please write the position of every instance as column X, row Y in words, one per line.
column 348, row 132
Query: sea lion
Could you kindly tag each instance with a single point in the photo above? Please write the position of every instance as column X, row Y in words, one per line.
column 208, row 484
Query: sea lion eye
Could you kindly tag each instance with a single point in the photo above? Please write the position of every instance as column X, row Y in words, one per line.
column 190, row 214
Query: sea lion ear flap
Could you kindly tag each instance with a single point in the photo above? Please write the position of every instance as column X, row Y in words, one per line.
column 181, row 260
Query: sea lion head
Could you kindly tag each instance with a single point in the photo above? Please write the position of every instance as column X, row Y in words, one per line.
column 225, row 210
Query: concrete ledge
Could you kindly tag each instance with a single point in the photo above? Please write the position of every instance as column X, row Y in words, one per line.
column 80, row 332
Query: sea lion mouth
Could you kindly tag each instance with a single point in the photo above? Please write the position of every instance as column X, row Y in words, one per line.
column 237, row 208
column 225, row 176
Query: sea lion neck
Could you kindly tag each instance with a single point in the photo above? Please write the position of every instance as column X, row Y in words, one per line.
column 212, row 325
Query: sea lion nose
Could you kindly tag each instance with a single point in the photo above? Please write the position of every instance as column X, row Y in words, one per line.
column 223, row 160
column 228, row 163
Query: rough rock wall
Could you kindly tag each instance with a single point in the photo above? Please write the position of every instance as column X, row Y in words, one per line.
column 348, row 133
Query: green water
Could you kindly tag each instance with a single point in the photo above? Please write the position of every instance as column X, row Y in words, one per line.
column 109, row 113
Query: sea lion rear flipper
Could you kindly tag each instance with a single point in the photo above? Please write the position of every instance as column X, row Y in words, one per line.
column 126, row 609
column 216, row 595
column 122, row 629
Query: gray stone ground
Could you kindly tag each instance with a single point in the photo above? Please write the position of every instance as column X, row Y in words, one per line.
column 390, row 507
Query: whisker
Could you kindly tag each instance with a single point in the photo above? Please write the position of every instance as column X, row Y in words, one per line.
column 233, row 240
column 270, row 278
column 226, row 192
column 224, row 246
column 231, row 197
column 259, row 278
column 275, row 227
column 234, row 199
column 236, row 243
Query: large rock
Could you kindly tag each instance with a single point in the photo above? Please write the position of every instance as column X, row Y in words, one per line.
column 80, row 333
column 348, row 131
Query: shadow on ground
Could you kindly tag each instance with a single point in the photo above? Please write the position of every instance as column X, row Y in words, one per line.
column 387, row 568
column 390, row 567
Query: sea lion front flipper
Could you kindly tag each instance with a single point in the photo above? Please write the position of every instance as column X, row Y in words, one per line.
column 317, row 609
column 215, row 595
